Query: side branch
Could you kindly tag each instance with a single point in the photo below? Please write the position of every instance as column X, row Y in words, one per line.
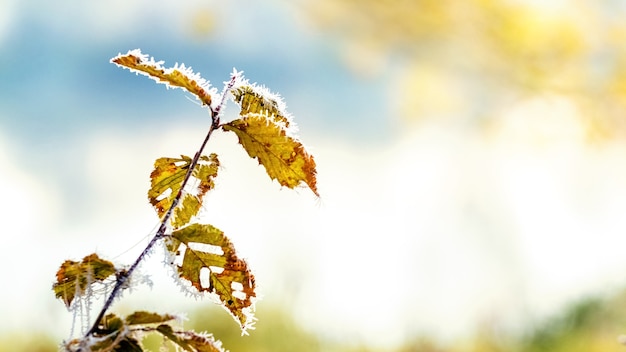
column 123, row 277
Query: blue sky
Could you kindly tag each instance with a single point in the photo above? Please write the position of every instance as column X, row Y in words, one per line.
column 57, row 85
column 59, row 68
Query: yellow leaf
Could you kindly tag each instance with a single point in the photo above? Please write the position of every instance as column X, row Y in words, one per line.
column 191, row 340
column 258, row 100
column 210, row 264
column 143, row 317
column 178, row 77
column 112, row 335
column 167, row 179
column 73, row 278
column 117, row 334
column 283, row 157
column 264, row 132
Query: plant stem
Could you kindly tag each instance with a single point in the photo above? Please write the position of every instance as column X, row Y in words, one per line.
column 123, row 277
column 160, row 233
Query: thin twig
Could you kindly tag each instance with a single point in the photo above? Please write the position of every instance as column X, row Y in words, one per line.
column 122, row 278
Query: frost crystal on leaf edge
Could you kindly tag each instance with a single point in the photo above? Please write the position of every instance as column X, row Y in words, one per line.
column 145, row 59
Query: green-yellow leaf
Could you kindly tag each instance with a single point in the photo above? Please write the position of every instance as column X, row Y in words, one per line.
column 117, row 334
column 264, row 131
column 112, row 335
column 143, row 317
column 166, row 181
column 283, row 157
column 178, row 77
column 208, row 251
column 73, row 278
column 111, row 323
column 190, row 340
column 258, row 100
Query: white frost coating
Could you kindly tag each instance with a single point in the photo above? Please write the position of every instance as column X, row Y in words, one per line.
column 186, row 71
column 180, row 317
column 177, row 259
column 86, row 343
column 207, row 338
column 250, row 318
column 239, row 78
column 271, row 99
column 138, row 279
column 82, row 305
column 170, row 261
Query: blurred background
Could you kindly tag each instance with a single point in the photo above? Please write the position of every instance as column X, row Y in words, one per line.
column 470, row 165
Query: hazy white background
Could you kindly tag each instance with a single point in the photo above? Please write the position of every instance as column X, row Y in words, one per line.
column 420, row 229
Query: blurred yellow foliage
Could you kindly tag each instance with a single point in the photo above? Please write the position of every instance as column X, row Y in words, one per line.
column 468, row 59
column 201, row 23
